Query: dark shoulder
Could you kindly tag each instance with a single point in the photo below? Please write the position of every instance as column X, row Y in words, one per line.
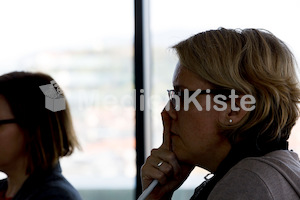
column 57, row 187
column 46, row 186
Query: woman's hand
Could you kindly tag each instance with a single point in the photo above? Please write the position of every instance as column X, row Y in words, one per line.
column 163, row 166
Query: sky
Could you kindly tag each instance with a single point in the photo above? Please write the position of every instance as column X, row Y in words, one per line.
column 34, row 25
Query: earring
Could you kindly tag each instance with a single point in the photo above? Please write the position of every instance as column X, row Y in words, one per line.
column 230, row 120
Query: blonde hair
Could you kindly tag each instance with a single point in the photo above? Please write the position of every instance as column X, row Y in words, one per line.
column 252, row 62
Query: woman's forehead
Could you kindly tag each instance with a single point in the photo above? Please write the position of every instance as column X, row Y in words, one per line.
column 183, row 78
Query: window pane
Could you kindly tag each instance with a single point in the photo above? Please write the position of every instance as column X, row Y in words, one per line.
column 87, row 46
column 175, row 20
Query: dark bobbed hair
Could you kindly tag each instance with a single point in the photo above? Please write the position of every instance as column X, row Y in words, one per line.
column 48, row 135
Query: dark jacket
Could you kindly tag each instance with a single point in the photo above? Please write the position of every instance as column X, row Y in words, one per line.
column 47, row 185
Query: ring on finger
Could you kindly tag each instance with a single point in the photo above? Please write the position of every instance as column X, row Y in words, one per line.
column 160, row 163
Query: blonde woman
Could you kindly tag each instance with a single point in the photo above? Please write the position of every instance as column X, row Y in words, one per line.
column 245, row 149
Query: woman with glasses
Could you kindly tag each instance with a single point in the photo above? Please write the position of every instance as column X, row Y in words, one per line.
column 231, row 112
column 33, row 139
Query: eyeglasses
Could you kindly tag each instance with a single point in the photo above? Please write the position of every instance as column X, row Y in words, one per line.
column 8, row 121
column 176, row 97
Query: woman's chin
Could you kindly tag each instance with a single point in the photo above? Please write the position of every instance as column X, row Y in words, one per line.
column 181, row 156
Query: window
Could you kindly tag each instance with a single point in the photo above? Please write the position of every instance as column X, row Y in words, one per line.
column 87, row 46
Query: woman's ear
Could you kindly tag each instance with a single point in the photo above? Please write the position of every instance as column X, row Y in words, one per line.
column 234, row 112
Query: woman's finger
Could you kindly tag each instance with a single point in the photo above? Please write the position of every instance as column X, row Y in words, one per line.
column 166, row 131
column 150, row 173
column 163, row 166
column 170, row 165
